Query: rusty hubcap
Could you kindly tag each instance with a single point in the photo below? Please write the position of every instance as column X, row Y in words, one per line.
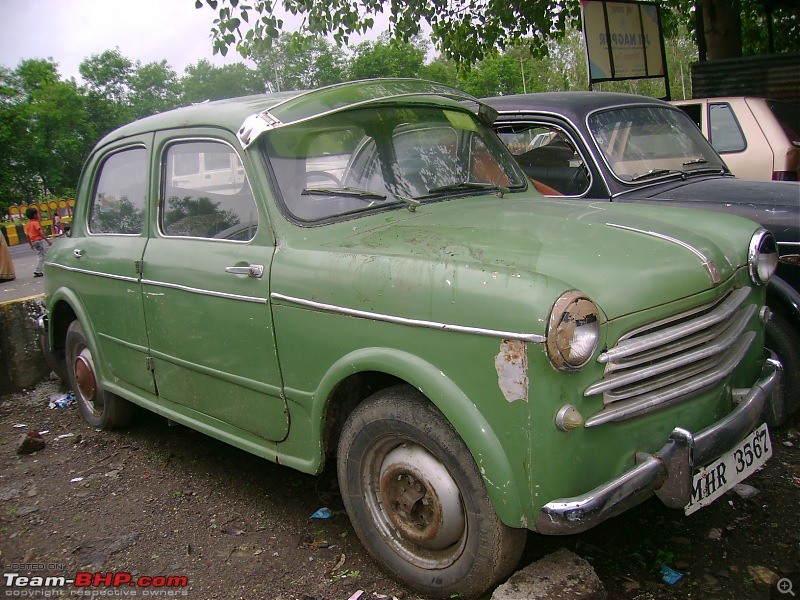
column 420, row 498
column 85, row 378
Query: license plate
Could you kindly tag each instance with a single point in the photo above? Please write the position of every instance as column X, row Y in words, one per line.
column 717, row 478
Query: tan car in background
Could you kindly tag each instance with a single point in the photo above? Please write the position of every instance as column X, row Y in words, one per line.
column 757, row 138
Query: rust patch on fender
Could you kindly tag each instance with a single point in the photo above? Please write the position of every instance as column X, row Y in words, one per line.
column 511, row 365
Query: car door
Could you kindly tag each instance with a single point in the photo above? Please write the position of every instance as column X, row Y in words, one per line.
column 109, row 234
column 206, row 289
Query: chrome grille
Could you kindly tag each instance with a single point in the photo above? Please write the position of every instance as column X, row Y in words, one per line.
column 672, row 359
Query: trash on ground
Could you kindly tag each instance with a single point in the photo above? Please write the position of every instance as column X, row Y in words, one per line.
column 670, row 575
column 745, row 491
column 356, row 595
column 63, row 436
column 76, row 479
column 19, row 425
column 61, row 400
column 322, row 513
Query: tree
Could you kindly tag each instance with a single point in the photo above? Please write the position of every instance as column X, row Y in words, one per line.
column 463, row 31
column 296, row 62
column 203, row 81
column 388, row 58
column 467, row 32
column 153, row 89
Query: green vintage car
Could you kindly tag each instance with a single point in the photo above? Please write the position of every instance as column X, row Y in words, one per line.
column 362, row 274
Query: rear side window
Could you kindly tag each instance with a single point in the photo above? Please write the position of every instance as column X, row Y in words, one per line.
column 724, row 131
column 120, row 196
column 206, row 193
column 788, row 115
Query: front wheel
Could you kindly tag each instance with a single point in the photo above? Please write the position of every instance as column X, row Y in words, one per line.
column 783, row 338
column 417, row 501
column 99, row 408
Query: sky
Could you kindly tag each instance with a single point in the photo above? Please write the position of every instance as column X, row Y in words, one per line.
column 69, row 31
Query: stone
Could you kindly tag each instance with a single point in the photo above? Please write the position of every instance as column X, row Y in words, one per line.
column 762, row 575
column 562, row 574
column 30, row 443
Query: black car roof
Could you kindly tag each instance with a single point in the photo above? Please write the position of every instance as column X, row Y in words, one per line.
column 574, row 105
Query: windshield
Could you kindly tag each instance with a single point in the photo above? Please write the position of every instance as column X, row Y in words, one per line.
column 373, row 158
column 642, row 143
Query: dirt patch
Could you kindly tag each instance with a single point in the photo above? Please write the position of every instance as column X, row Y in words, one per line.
column 155, row 500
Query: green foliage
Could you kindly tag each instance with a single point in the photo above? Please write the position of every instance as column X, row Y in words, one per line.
column 388, row 58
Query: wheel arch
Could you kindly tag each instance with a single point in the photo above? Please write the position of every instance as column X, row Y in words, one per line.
column 63, row 308
column 356, row 376
column 781, row 296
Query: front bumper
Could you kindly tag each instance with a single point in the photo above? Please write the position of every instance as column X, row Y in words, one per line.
column 668, row 473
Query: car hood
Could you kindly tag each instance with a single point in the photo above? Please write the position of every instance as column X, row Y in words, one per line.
column 452, row 260
column 729, row 190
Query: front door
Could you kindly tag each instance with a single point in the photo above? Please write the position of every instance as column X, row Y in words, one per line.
column 205, row 286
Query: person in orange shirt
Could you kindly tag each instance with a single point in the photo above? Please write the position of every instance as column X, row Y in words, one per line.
column 36, row 238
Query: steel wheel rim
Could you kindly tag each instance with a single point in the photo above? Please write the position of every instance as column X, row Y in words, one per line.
column 414, row 502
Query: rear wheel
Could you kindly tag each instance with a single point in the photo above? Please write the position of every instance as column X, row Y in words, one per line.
column 783, row 338
column 417, row 500
column 99, row 408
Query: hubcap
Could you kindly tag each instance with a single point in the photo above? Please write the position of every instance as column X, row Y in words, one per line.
column 420, row 498
column 86, row 380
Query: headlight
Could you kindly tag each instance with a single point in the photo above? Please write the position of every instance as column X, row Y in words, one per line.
column 763, row 257
column 573, row 331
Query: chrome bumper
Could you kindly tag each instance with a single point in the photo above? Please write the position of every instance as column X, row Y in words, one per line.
column 668, row 473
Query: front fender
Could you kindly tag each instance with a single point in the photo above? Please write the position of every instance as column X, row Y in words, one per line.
column 781, row 295
column 483, row 443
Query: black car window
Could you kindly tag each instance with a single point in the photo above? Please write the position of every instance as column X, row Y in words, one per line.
column 549, row 157
column 725, row 134
column 120, row 194
column 206, row 193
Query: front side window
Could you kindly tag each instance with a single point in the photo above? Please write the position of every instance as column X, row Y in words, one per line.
column 368, row 159
column 644, row 142
column 120, row 194
column 548, row 156
column 206, row 193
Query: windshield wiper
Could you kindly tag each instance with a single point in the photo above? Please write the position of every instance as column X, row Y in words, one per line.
column 469, row 185
column 654, row 173
column 343, row 191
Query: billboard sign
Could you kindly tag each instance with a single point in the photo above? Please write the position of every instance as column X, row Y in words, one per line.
column 623, row 40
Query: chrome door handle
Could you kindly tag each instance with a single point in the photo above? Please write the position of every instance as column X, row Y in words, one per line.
column 77, row 253
column 250, row 270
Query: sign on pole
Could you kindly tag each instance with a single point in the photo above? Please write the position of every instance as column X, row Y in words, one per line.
column 623, row 40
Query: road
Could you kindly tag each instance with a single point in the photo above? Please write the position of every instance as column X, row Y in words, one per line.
column 25, row 285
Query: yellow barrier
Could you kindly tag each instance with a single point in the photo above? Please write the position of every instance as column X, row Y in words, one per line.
column 49, row 210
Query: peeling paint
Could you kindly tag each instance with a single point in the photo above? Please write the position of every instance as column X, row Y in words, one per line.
column 511, row 365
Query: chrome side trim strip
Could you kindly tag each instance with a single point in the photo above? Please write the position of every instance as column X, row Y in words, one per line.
column 95, row 273
column 707, row 262
column 202, row 292
column 363, row 314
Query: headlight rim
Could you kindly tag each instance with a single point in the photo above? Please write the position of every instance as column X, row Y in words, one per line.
column 754, row 254
column 560, row 308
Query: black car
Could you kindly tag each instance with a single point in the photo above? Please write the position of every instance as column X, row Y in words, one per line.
column 629, row 148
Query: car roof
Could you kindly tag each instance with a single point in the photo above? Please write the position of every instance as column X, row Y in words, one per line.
column 574, row 105
column 251, row 115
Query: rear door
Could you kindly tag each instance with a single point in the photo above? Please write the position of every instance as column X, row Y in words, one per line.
column 206, row 289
